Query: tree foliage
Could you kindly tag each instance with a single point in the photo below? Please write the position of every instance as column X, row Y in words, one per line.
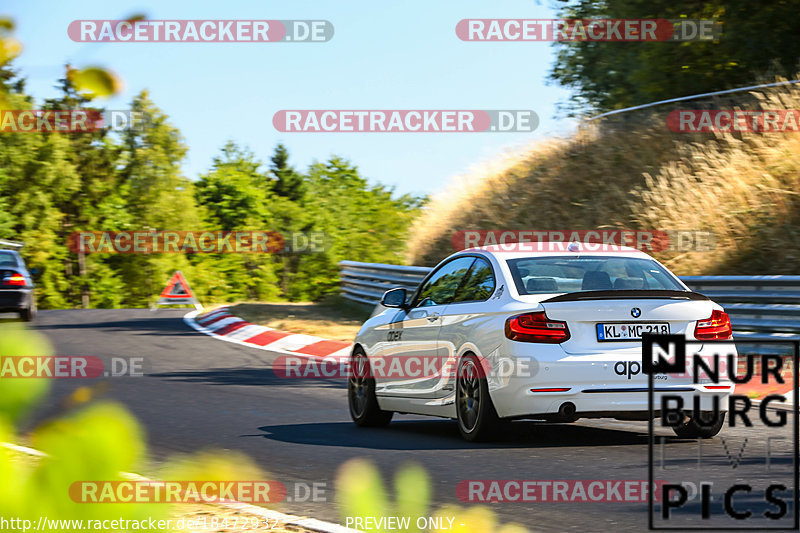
column 758, row 41
column 54, row 184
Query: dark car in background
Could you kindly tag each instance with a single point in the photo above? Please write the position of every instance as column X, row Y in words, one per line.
column 16, row 286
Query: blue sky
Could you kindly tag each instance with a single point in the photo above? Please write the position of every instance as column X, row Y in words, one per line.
column 384, row 55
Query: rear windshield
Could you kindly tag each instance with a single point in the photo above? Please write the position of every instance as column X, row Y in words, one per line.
column 8, row 260
column 544, row 275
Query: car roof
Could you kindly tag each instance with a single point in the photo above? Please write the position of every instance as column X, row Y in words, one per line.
column 548, row 249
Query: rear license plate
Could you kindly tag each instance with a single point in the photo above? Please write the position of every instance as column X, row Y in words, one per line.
column 629, row 331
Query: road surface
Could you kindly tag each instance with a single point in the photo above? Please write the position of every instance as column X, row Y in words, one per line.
column 202, row 393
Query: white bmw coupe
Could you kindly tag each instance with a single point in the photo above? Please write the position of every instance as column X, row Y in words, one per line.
column 553, row 334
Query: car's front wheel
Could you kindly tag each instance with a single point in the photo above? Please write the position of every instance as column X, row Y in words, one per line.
column 476, row 415
column 364, row 409
column 691, row 429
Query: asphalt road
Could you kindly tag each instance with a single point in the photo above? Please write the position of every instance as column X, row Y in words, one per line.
column 201, row 393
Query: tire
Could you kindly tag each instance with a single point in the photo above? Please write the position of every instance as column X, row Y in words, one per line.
column 690, row 429
column 361, row 400
column 475, row 413
column 27, row 314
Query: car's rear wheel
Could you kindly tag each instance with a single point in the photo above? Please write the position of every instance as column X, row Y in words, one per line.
column 691, row 429
column 476, row 416
column 364, row 409
column 28, row 313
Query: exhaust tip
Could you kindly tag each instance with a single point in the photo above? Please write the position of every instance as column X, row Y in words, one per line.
column 567, row 411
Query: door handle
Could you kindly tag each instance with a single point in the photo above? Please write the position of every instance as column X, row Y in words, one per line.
column 433, row 316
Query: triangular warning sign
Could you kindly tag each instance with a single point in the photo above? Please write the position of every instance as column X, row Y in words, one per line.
column 178, row 292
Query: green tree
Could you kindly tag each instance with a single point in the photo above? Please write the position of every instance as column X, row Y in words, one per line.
column 233, row 193
column 37, row 177
column 292, row 220
column 755, row 44
column 157, row 197
column 235, row 196
column 359, row 220
column 54, row 184
column 97, row 203
column 288, row 183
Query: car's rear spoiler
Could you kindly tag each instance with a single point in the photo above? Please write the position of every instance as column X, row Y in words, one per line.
column 11, row 244
column 626, row 295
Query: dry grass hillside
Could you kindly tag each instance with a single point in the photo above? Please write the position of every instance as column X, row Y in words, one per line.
column 634, row 173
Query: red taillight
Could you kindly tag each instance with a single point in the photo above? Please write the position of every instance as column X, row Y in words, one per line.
column 536, row 327
column 17, row 280
column 717, row 327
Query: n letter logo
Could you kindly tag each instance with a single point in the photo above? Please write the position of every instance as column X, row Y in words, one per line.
column 663, row 354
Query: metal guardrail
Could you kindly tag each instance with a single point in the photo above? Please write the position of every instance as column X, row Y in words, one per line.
column 760, row 307
column 695, row 97
column 11, row 244
column 366, row 282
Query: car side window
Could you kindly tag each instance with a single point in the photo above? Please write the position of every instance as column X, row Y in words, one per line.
column 478, row 285
column 441, row 287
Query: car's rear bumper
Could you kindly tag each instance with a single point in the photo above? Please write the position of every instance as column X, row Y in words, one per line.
column 603, row 384
column 15, row 299
column 621, row 404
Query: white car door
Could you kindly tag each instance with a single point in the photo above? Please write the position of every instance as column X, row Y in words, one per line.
column 403, row 366
column 466, row 324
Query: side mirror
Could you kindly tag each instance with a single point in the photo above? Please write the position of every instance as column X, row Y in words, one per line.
column 394, row 298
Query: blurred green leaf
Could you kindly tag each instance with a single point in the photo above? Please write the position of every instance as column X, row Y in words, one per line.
column 412, row 492
column 360, row 490
column 211, row 466
column 9, row 49
column 18, row 395
column 136, row 16
column 472, row 520
column 95, row 445
column 103, row 435
column 512, row 528
column 9, row 470
column 94, row 82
